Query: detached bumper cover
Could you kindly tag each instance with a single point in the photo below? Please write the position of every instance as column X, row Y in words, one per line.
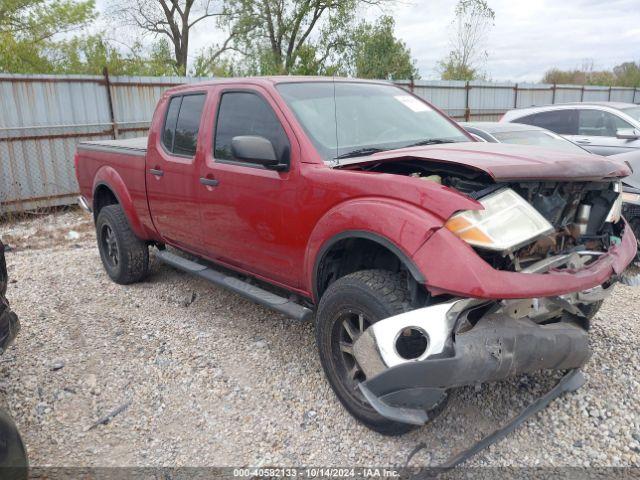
column 452, row 266
column 495, row 348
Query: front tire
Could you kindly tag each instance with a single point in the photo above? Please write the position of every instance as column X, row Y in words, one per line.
column 348, row 306
column 124, row 256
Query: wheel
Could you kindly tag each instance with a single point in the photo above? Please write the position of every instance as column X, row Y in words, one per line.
column 590, row 310
column 634, row 222
column 125, row 257
column 349, row 306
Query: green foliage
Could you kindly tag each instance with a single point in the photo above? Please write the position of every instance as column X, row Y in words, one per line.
column 309, row 37
column 624, row 75
column 473, row 20
column 28, row 30
column 89, row 55
column 377, row 53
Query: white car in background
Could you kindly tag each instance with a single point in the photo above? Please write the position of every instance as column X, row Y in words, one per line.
column 519, row 134
column 605, row 128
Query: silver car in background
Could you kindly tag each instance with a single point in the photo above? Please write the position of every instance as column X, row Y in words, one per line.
column 519, row 134
column 604, row 128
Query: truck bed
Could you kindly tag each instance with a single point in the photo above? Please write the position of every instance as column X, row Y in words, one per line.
column 129, row 146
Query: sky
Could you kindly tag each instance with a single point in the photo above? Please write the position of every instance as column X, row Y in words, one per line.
column 529, row 36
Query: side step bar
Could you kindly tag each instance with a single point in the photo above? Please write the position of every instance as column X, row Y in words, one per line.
column 258, row 295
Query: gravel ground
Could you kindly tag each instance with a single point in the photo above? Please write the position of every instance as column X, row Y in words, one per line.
column 204, row 378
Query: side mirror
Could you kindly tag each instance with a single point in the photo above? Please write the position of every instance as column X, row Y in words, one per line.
column 256, row 149
column 627, row 134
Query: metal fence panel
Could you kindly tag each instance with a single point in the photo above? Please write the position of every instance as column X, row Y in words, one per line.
column 489, row 100
column 622, row 95
column 42, row 117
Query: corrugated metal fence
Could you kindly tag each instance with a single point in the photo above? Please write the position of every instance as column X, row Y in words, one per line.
column 488, row 101
column 42, row 117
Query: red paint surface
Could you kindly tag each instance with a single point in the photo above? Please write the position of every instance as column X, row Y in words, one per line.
column 273, row 224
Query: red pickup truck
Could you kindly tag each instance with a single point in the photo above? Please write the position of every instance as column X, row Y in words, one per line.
column 429, row 261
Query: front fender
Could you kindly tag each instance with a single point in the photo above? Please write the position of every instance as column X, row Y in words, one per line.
column 400, row 226
column 109, row 177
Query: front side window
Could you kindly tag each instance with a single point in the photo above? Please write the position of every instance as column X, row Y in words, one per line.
column 246, row 113
column 181, row 126
column 633, row 112
column 598, row 123
column 352, row 118
column 563, row 122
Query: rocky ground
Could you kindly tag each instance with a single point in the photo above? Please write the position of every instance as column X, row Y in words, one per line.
column 196, row 376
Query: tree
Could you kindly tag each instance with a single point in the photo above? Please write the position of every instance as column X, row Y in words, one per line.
column 292, row 36
column 377, row 53
column 627, row 74
column 172, row 19
column 473, row 20
column 89, row 55
column 31, row 29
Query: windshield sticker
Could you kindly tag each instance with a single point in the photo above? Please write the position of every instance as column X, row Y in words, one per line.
column 412, row 103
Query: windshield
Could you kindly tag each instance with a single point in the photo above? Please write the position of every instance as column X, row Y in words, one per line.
column 349, row 119
column 539, row 138
column 633, row 112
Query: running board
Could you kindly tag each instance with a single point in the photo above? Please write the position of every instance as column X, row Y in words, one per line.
column 258, row 295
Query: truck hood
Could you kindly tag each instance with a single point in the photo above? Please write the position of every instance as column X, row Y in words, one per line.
column 507, row 162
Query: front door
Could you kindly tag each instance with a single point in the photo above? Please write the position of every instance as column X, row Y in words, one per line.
column 172, row 176
column 597, row 132
column 248, row 211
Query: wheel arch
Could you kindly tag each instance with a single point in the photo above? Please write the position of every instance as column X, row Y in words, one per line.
column 109, row 186
column 336, row 242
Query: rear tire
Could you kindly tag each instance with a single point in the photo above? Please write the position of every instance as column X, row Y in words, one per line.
column 358, row 300
column 124, row 256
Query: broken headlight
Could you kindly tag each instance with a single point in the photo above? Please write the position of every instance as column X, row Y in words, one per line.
column 507, row 222
column 616, row 209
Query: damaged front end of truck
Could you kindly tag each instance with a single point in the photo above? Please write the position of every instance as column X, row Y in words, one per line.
column 513, row 286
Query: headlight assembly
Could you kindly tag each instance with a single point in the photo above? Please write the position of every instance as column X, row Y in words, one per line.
column 507, row 222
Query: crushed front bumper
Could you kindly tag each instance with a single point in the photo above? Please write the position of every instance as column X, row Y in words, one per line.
column 451, row 266
column 468, row 342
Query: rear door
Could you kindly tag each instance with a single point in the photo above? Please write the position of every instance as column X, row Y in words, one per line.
column 172, row 176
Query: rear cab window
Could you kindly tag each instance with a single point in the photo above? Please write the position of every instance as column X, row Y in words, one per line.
column 182, row 124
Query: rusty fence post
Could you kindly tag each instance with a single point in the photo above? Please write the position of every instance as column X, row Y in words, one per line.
column 107, row 84
column 610, row 87
column 582, row 94
column 467, row 110
column 411, row 84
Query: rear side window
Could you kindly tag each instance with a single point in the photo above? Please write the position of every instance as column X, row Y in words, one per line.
column 244, row 113
column 170, row 122
column 180, row 134
column 564, row 122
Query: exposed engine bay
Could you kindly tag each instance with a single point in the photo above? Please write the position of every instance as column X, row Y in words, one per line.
column 578, row 211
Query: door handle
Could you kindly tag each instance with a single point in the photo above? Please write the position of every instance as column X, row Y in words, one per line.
column 209, row 182
column 583, row 141
column 157, row 172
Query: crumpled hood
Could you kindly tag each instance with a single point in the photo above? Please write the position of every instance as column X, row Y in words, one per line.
column 508, row 162
column 633, row 160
